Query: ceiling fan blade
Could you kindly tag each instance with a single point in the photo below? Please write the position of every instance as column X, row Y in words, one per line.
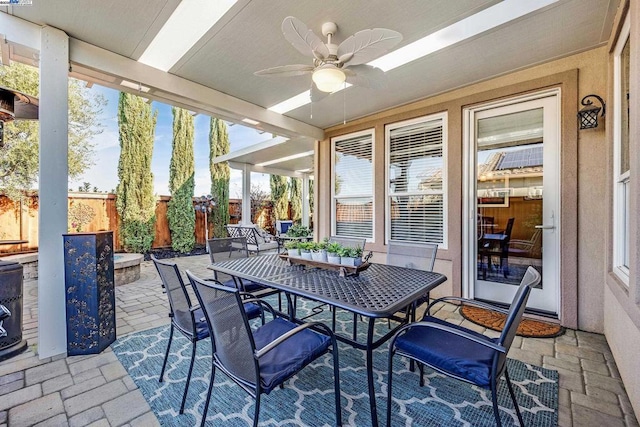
column 366, row 76
column 303, row 38
column 317, row 94
column 286, row 71
column 367, row 45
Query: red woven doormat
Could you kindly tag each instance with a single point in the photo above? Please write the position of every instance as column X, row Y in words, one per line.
column 492, row 320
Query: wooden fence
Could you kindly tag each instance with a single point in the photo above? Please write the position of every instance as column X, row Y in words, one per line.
column 19, row 220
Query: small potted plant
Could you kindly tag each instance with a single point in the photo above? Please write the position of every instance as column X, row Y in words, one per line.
column 305, row 249
column 345, row 256
column 319, row 252
column 292, row 248
column 351, row 257
column 332, row 253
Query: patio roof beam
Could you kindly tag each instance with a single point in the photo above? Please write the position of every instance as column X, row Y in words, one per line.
column 265, row 169
column 191, row 94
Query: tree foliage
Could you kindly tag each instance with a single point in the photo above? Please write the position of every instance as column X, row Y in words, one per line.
column 220, row 176
column 279, row 196
column 135, row 200
column 180, row 211
column 296, row 199
column 19, row 157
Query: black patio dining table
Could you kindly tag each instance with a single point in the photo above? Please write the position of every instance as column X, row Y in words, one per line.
column 377, row 292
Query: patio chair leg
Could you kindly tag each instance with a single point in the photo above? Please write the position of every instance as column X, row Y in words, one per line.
column 513, row 397
column 390, row 371
column 166, row 354
column 336, row 380
column 206, row 403
column 494, row 399
column 186, row 386
column 256, row 414
column 421, row 369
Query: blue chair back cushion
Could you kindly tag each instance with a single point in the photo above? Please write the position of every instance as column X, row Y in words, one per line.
column 284, row 226
column 450, row 353
column 289, row 357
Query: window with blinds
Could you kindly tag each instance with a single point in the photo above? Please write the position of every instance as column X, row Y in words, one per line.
column 352, row 185
column 416, row 180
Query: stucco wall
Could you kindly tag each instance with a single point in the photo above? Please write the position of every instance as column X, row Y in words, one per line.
column 622, row 302
column 584, row 166
column 623, row 337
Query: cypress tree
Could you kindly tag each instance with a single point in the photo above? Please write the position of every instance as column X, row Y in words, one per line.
column 180, row 211
column 296, row 199
column 135, row 201
column 279, row 196
column 220, row 175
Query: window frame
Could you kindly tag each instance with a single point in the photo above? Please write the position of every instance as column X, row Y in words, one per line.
column 443, row 116
column 621, row 179
column 334, row 198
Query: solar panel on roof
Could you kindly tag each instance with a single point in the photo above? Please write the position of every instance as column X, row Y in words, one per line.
column 525, row 158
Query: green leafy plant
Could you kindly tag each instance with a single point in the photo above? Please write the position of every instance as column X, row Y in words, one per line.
column 344, row 251
column 305, row 246
column 322, row 246
column 292, row 244
column 334, row 248
column 297, row 230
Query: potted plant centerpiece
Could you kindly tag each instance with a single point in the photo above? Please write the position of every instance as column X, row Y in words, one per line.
column 319, row 252
column 332, row 253
column 292, row 248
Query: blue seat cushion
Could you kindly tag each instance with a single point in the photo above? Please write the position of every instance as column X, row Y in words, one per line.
column 202, row 330
column 448, row 352
column 286, row 359
column 252, row 310
column 248, row 285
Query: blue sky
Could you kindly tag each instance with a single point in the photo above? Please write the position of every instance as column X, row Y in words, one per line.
column 104, row 173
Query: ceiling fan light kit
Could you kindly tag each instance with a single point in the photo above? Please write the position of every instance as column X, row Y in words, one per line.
column 333, row 64
column 328, row 78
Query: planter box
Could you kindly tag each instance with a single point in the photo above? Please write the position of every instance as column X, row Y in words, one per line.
column 344, row 270
column 89, row 292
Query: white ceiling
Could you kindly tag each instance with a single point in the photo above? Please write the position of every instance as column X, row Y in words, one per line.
column 248, row 38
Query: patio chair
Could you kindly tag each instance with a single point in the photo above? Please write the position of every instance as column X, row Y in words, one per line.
column 461, row 353
column 185, row 317
column 257, row 239
column 259, row 361
column 282, row 226
column 420, row 257
column 526, row 248
column 220, row 247
column 348, row 242
column 488, row 248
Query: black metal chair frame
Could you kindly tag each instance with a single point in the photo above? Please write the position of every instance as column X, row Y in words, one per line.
column 487, row 250
column 188, row 332
column 255, row 389
column 501, row 347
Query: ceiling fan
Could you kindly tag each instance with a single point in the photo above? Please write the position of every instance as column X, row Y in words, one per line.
column 334, row 64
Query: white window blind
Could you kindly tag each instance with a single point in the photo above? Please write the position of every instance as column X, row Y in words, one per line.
column 352, row 185
column 416, row 181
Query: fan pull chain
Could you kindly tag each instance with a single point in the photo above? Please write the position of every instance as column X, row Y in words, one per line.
column 311, row 103
column 344, row 104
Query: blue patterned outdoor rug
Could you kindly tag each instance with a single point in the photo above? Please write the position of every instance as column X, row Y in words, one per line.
column 307, row 399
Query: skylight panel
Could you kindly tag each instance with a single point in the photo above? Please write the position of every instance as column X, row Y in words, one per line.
column 186, row 25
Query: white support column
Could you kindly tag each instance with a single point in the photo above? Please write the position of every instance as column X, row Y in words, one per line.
column 305, row 200
column 52, row 219
column 246, row 194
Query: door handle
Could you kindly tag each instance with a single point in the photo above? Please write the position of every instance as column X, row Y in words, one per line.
column 545, row 227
